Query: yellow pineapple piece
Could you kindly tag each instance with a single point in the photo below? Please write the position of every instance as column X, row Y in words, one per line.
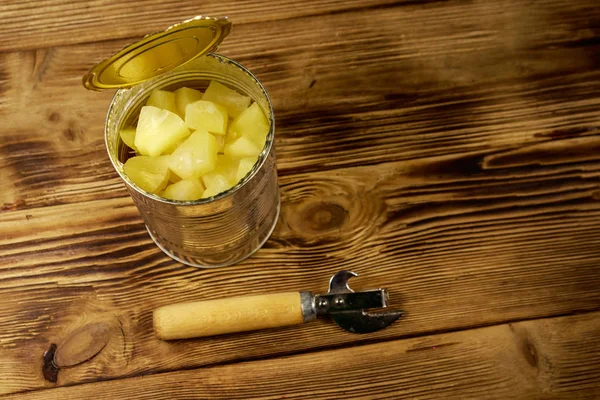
column 220, row 143
column 128, row 137
column 231, row 134
column 234, row 102
column 206, row 115
column 225, row 167
column 162, row 99
column 174, row 146
column 251, row 123
column 158, row 130
column 218, row 184
column 244, row 166
column 185, row 96
column 196, row 156
column 173, row 177
column 150, row 174
column 184, row 190
column 241, row 148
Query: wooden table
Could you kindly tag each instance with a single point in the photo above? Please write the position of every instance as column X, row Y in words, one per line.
column 446, row 150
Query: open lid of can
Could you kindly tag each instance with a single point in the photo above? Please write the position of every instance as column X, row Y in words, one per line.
column 158, row 53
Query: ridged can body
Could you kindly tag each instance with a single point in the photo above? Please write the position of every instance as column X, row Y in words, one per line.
column 212, row 232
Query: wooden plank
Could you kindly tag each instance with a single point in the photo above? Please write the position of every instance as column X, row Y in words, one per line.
column 453, row 243
column 550, row 359
column 408, row 82
column 456, row 165
column 39, row 24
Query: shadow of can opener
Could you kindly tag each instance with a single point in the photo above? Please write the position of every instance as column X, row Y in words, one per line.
column 241, row 314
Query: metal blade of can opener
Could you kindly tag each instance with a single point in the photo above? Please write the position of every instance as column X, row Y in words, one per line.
column 349, row 308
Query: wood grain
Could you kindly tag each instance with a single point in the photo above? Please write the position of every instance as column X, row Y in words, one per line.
column 39, row 24
column 549, row 359
column 446, row 150
column 455, row 249
column 446, row 78
column 81, row 345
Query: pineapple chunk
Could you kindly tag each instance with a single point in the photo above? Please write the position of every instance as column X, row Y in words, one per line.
column 252, row 123
column 173, row 177
column 217, row 181
column 220, row 143
column 150, row 174
column 206, row 115
column 228, row 139
column 241, row 148
column 185, row 96
column 231, row 133
column 194, row 157
column 162, row 99
column 234, row 102
column 218, row 184
column 128, row 137
column 225, row 167
column 185, row 190
column 158, row 130
column 209, row 161
column 174, row 146
column 244, row 166
column 258, row 139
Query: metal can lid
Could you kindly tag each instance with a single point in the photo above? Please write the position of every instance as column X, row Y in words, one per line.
column 158, row 53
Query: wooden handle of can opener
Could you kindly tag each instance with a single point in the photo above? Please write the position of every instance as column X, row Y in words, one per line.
column 235, row 314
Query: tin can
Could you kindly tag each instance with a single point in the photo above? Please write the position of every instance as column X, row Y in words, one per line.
column 212, row 232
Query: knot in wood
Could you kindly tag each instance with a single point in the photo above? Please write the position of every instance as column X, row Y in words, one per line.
column 81, row 345
column 322, row 217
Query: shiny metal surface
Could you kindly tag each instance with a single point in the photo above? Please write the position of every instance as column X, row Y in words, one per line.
column 158, row 53
column 347, row 308
column 226, row 228
column 336, row 302
column 339, row 282
column 364, row 321
column 307, row 301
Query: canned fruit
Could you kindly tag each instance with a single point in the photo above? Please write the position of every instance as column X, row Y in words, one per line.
column 173, row 147
column 185, row 96
column 158, row 130
column 206, row 115
column 184, row 190
column 251, row 123
column 242, row 147
column 234, row 102
column 221, row 139
column 194, row 157
column 128, row 137
column 197, row 153
column 244, row 166
column 226, row 167
column 162, row 99
column 149, row 173
column 217, row 184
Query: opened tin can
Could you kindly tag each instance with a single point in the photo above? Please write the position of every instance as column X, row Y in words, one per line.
column 212, row 232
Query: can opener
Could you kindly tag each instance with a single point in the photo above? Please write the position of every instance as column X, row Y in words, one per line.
column 240, row 314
